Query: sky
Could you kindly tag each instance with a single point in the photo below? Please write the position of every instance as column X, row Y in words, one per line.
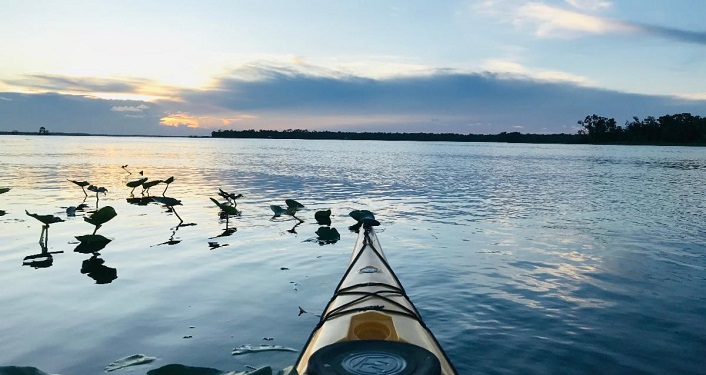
column 475, row 66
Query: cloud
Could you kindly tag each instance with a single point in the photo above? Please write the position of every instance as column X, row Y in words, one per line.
column 125, row 108
column 554, row 22
column 697, row 37
column 514, row 97
column 74, row 84
column 513, row 69
column 106, row 88
column 536, row 100
column 590, row 5
column 62, row 113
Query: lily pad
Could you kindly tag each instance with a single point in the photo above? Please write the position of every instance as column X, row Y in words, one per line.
column 277, row 210
column 101, row 216
column 4, row 190
column 323, row 217
column 149, row 184
column 93, row 239
column 97, row 189
column 229, row 196
column 292, row 204
column 136, row 183
column 46, row 219
column 227, row 208
column 364, row 217
column 80, row 183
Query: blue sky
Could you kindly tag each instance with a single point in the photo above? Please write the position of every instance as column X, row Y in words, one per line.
column 475, row 66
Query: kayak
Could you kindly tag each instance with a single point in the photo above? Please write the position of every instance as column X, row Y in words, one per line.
column 370, row 326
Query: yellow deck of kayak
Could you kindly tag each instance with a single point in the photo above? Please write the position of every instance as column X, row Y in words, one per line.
column 370, row 304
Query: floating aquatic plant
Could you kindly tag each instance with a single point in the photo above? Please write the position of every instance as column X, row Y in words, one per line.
column 101, row 217
column 3, row 191
column 228, row 209
column 362, row 217
column 148, row 184
column 136, row 183
column 230, row 197
column 323, row 217
column 46, row 220
column 71, row 210
column 91, row 243
column 97, row 190
column 292, row 208
column 82, row 184
column 167, row 181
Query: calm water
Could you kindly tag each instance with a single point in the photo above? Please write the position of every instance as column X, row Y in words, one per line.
column 527, row 259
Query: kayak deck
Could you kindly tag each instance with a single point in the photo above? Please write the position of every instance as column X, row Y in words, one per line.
column 370, row 306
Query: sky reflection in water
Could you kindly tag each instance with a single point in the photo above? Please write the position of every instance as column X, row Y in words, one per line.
column 521, row 258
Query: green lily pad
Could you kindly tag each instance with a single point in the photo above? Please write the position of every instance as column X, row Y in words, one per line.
column 93, row 239
column 136, row 183
column 101, row 216
column 323, row 217
column 80, row 183
column 97, row 189
column 292, row 204
column 46, row 219
column 277, row 210
column 363, row 217
column 91, row 243
column 149, row 184
column 227, row 208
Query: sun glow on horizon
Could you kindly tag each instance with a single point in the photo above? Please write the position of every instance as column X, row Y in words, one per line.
column 211, row 122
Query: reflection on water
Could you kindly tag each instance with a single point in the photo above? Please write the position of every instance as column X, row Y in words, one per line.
column 94, row 267
column 42, row 259
column 535, row 258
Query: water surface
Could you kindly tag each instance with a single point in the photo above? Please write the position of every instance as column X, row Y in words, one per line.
column 521, row 258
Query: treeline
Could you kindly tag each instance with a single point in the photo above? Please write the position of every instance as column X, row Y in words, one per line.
column 683, row 128
column 513, row 137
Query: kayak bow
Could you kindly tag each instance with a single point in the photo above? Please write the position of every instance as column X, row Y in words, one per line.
column 370, row 326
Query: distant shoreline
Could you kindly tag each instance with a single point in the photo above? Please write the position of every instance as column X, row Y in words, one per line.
column 102, row 135
column 503, row 137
